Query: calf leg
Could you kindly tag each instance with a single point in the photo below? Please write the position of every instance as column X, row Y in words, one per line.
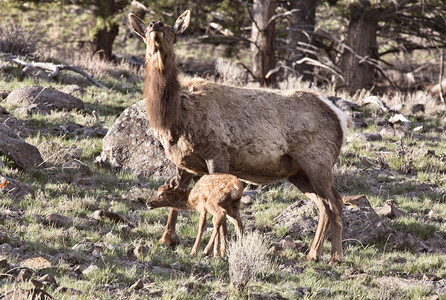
column 235, row 219
column 201, row 226
column 218, row 220
column 223, row 237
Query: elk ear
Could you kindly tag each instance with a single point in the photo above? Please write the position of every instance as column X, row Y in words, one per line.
column 137, row 26
column 173, row 183
column 182, row 22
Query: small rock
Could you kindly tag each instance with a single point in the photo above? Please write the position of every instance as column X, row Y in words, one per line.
column 200, row 268
column 275, row 248
column 391, row 211
column 323, row 292
column 176, row 266
column 372, row 137
column 76, row 166
column 36, row 263
column 70, row 291
column 302, row 291
column 3, row 234
column 5, row 249
column 416, row 108
column 78, row 179
column 189, row 287
column 74, row 90
column 431, row 277
column 139, row 284
column 37, row 284
column 33, row 109
column 59, row 220
column 58, row 130
column 248, row 198
column 48, row 280
column 289, row 243
column 140, row 250
column 390, row 132
column 74, row 151
column 353, row 271
column 92, row 268
column 4, row 265
column 76, row 273
column 24, row 275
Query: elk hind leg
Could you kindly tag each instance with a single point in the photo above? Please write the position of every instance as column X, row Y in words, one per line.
column 329, row 204
column 218, row 219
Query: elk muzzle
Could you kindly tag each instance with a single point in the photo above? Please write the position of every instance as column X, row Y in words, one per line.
column 151, row 204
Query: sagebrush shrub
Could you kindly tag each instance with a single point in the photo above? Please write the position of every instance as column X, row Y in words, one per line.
column 17, row 40
column 247, row 258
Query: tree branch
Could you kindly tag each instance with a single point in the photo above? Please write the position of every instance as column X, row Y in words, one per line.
column 55, row 69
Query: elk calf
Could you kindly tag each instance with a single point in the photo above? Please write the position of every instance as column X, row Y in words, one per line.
column 218, row 194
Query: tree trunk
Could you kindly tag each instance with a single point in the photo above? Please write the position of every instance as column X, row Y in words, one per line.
column 104, row 39
column 300, row 23
column 262, row 35
column 361, row 38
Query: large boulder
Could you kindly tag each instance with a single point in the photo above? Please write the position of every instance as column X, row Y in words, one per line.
column 130, row 145
column 24, row 155
column 46, row 97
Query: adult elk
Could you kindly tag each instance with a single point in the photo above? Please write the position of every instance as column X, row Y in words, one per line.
column 258, row 135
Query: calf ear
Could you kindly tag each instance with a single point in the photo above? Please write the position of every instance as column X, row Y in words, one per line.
column 138, row 26
column 182, row 22
column 173, row 183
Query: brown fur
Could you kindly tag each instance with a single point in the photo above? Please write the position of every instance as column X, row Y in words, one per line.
column 218, row 194
column 259, row 135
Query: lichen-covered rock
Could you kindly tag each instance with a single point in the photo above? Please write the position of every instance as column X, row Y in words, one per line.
column 14, row 189
column 131, row 146
column 24, row 155
column 52, row 99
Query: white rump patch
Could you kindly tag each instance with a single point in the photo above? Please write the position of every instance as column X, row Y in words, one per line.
column 342, row 116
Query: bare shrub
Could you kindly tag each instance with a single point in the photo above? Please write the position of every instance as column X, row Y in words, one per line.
column 230, row 73
column 247, row 259
column 95, row 66
column 294, row 83
column 17, row 40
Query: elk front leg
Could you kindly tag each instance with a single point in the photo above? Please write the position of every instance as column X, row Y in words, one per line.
column 170, row 238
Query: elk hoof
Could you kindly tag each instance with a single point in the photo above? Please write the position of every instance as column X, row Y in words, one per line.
column 312, row 257
column 335, row 261
column 170, row 240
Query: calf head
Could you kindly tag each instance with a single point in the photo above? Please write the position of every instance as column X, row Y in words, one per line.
column 168, row 195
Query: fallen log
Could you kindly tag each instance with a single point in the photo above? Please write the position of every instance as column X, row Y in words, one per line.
column 53, row 68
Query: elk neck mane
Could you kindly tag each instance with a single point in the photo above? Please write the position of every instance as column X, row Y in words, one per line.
column 161, row 90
